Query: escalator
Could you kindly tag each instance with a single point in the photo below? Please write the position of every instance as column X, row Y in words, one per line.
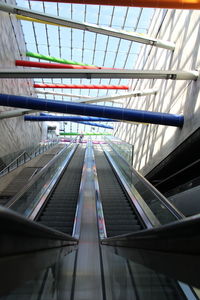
column 166, row 248
column 60, row 207
column 114, row 266
column 119, row 214
column 25, row 175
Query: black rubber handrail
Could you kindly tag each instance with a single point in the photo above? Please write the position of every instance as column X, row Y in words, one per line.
column 172, row 249
column 20, row 235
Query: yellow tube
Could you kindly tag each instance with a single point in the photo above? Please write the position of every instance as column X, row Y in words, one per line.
column 19, row 17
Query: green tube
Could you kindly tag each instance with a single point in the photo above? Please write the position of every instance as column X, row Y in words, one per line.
column 75, row 133
column 58, row 60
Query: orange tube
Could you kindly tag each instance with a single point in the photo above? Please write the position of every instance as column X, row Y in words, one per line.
column 177, row 4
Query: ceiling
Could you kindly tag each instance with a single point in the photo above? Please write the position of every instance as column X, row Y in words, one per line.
column 86, row 47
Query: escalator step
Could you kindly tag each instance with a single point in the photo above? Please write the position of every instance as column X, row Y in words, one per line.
column 55, row 218
column 61, row 206
column 60, row 210
column 52, row 223
column 122, row 222
column 57, row 212
column 119, row 214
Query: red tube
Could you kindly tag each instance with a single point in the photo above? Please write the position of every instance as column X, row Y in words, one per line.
column 81, row 86
column 174, row 4
column 27, row 63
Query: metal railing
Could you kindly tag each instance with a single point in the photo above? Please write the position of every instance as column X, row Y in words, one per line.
column 121, row 147
column 25, row 157
column 28, row 197
column 18, row 161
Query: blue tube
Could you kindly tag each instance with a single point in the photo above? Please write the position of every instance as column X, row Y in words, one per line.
column 116, row 113
column 45, row 117
column 61, row 118
column 97, row 125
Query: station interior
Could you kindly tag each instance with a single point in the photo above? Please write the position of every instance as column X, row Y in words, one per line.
column 99, row 150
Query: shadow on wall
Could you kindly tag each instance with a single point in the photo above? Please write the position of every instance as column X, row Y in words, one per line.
column 15, row 135
column 153, row 143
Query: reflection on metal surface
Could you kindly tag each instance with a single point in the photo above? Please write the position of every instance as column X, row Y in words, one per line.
column 130, row 280
column 77, row 219
column 43, row 275
column 172, row 249
column 88, row 280
column 100, row 215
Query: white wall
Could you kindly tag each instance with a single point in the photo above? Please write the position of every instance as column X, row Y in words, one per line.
column 154, row 142
column 15, row 134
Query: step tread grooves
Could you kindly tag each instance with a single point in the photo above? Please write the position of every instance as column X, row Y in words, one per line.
column 60, row 209
column 119, row 215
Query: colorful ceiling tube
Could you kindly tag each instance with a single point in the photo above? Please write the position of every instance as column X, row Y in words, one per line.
column 57, row 60
column 34, row 64
column 62, row 94
column 97, row 125
column 173, row 4
column 116, row 113
column 84, row 133
column 80, row 86
column 46, row 117
column 81, row 120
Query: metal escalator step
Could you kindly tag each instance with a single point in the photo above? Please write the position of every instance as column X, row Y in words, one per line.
column 55, row 218
column 64, row 193
column 119, row 214
column 66, row 206
column 61, row 200
column 116, row 205
column 113, row 198
column 57, row 215
column 60, row 210
column 118, row 210
column 58, row 205
column 52, row 223
column 122, row 222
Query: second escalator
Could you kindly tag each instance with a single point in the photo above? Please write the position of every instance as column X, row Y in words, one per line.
column 119, row 213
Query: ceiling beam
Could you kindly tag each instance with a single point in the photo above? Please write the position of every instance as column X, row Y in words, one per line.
column 108, row 31
column 93, row 74
column 120, row 96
